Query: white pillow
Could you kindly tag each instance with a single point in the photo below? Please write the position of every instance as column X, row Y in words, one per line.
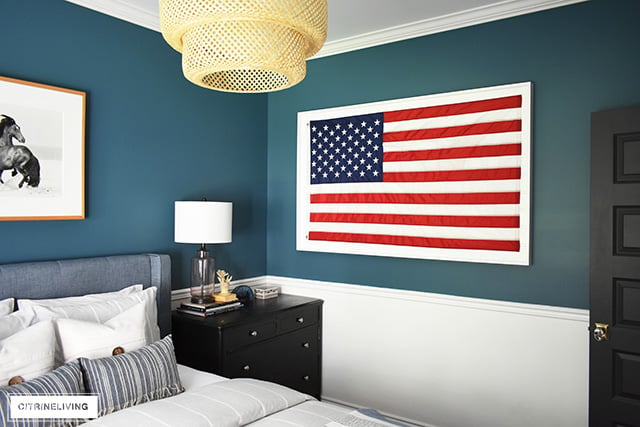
column 6, row 306
column 14, row 322
column 78, row 338
column 28, row 353
column 102, row 311
column 193, row 378
column 24, row 304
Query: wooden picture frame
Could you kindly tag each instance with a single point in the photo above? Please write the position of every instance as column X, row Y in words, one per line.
column 42, row 143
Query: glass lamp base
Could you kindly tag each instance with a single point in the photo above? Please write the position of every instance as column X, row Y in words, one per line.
column 201, row 300
column 202, row 277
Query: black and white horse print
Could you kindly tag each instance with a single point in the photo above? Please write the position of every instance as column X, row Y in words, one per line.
column 20, row 159
column 9, row 130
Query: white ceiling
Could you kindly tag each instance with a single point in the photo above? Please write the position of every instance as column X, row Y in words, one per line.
column 357, row 24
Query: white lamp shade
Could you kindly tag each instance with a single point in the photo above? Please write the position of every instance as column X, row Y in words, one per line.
column 203, row 222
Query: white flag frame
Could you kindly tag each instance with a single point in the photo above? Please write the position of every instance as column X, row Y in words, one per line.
column 303, row 189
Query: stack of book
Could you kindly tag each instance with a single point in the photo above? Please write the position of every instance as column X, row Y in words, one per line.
column 208, row 309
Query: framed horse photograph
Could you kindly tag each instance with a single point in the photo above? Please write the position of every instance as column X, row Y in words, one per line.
column 42, row 138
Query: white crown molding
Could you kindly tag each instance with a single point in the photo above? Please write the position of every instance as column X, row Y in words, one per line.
column 499, row 10
column 480, row 15
column 123, row 10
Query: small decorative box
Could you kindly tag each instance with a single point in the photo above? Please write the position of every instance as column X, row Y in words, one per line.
column 265, row 292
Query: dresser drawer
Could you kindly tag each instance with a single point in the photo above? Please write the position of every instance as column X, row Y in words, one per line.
column 288, row 359
column 247, row 334
column 298, row 318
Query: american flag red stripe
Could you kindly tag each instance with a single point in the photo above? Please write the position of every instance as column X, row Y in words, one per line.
column 419, row 198
column 431, row 242
column 440, row 176
column 431, row 220
column 455, row 175
column 454, row 109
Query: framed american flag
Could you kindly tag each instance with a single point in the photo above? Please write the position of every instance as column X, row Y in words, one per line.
column 444, row 176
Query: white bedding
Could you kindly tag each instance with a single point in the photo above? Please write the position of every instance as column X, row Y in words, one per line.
column 210, row 400
column 307, row 414
column 214, row 401
column 228, row 403
column 193, row 378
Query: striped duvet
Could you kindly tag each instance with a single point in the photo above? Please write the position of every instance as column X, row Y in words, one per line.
column 214, row 401
column 227, row 403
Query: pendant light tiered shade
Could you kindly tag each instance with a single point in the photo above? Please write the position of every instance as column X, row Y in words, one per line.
column 244, row 45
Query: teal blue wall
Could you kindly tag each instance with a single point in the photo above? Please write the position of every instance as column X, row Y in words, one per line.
column 581, row 58
column 151, row 138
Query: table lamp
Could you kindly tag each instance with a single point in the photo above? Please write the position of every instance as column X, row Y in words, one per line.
column 202, row 222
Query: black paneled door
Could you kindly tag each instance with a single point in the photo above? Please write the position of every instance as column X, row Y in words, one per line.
column 614, row 366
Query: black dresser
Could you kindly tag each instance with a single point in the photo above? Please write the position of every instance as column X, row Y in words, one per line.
column 277, row 339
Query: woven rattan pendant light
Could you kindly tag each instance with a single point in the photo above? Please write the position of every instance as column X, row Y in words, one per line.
column 244, row 45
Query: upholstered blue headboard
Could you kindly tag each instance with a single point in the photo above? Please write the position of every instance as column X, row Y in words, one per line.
column 71, row 277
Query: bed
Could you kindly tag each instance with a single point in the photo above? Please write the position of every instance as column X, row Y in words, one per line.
column 179, row 395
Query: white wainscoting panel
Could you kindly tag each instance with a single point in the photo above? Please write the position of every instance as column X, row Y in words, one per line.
column 447, row 361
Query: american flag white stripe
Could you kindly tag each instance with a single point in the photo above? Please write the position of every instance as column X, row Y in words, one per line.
column 406, row 209
column 422, row 187
column 454, row 164
column 453, row 142
column 419, row 231
column 457, row 120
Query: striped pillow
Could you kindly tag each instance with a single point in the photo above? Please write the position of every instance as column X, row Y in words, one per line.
column 66, row 380
column 146, row 374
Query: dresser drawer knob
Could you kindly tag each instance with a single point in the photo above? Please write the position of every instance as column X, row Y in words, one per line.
column 306, row 345
column 306, row 378
column 253, row 333
column 300, row 319
column 246, row 368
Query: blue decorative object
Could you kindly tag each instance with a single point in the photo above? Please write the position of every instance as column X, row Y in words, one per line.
column 244, row 293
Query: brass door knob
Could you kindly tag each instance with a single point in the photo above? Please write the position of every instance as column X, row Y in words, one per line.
column 601, row 332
